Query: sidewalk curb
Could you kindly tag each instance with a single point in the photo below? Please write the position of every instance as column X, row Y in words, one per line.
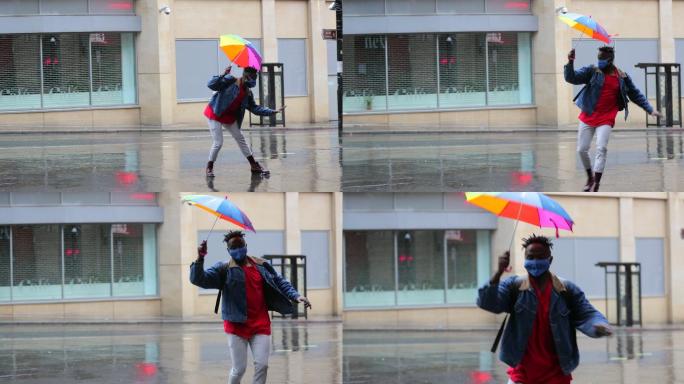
column 494, row 328
column 495, row 131
column 156, row 321
column 157, row 130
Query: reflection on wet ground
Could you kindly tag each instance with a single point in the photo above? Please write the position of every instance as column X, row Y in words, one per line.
column 464, row 357
column 299, row 161
column 313, row 353
column 172, row 353
column 317, row 160
column 508, row 161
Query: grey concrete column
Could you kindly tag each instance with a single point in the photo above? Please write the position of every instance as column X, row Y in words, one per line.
column 268, row 31
column 551, row 45
column 155, row 48
column 319, row 17
column 666, row 44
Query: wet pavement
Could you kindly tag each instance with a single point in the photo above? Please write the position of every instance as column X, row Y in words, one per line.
column 318, row 160
column 146, row 353
column 313, row 353
column 175, row 161
column 541, row 161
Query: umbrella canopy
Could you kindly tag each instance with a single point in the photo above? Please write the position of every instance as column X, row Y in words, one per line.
column 586, row 25
column 222, row 208
column 530, row 207
column 240, row 51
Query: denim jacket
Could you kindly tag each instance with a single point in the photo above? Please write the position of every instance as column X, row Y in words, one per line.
column 226, row 90
column 279, row 292
column 569, row 310
column 592, row 77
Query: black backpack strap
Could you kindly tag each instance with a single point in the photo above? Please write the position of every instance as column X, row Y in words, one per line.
column 579, row 93
column 497, row 340
column 499, row 334
column 224, row 275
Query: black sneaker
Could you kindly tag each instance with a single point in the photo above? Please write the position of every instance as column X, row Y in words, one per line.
column 257, row 168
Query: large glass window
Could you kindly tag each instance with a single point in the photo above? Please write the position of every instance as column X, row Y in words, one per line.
column 406, row 268
column 5, row 266
column 411, row 63
column 420, row 263
column 19, row 72
column 113, row 68
column 66, row 70
column 66, row 81
column 37, row 262
column 468, row 256
column 87, row 260
column 134, row 259
column 370, row 273
column 51, row 262
column 365, row 79
column 462, row 70
column 445, row 71
column 509, row 68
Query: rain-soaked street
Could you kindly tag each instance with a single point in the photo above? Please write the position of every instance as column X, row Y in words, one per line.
column 317, row 353
column 318, row 160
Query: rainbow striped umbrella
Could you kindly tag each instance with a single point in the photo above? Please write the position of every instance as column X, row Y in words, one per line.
column 222, row 208
column 530, row 207
column 586, row 25
column 240, row 51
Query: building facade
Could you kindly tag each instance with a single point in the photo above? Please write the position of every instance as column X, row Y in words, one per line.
column 103, row 63
column 374, row 260
column 489, row 62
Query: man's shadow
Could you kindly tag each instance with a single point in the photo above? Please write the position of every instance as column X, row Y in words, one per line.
column 255, row 181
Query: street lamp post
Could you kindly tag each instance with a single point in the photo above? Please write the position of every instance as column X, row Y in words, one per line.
column 338, row 26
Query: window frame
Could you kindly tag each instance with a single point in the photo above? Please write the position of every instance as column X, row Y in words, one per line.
column 89, row 106
column 62, row 299
column 439, row 108
column 395, row 267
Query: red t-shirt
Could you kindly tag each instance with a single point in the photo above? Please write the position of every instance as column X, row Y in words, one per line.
column 258, row 322
column 607, row 105
column 540, row 363
column 230, row 114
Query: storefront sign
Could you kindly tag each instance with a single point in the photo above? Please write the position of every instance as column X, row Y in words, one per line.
column 454, row 235
column 495, row 37
column 98, row 38
column 329, row 34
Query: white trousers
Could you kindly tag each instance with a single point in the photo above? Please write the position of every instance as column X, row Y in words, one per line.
column 216, row 130
column 585, row 133
column 261, row 349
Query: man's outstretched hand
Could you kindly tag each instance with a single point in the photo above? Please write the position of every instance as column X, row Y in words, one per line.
column 603, row 330
column 656, row 114
column 571, row 55
column 302, row 299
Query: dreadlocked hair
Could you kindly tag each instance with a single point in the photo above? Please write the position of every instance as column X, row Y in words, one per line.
column 535, row 239
column 233, row 234
column 608, row 50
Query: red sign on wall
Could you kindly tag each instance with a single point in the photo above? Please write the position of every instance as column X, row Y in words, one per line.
column 329, row 34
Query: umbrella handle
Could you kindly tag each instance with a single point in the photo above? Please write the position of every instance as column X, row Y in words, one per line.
column 212, row 228
column 510, row 245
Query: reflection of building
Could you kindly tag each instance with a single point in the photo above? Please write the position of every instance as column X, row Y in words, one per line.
column 126, row 62
column 377, row 259
column 487, row 62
